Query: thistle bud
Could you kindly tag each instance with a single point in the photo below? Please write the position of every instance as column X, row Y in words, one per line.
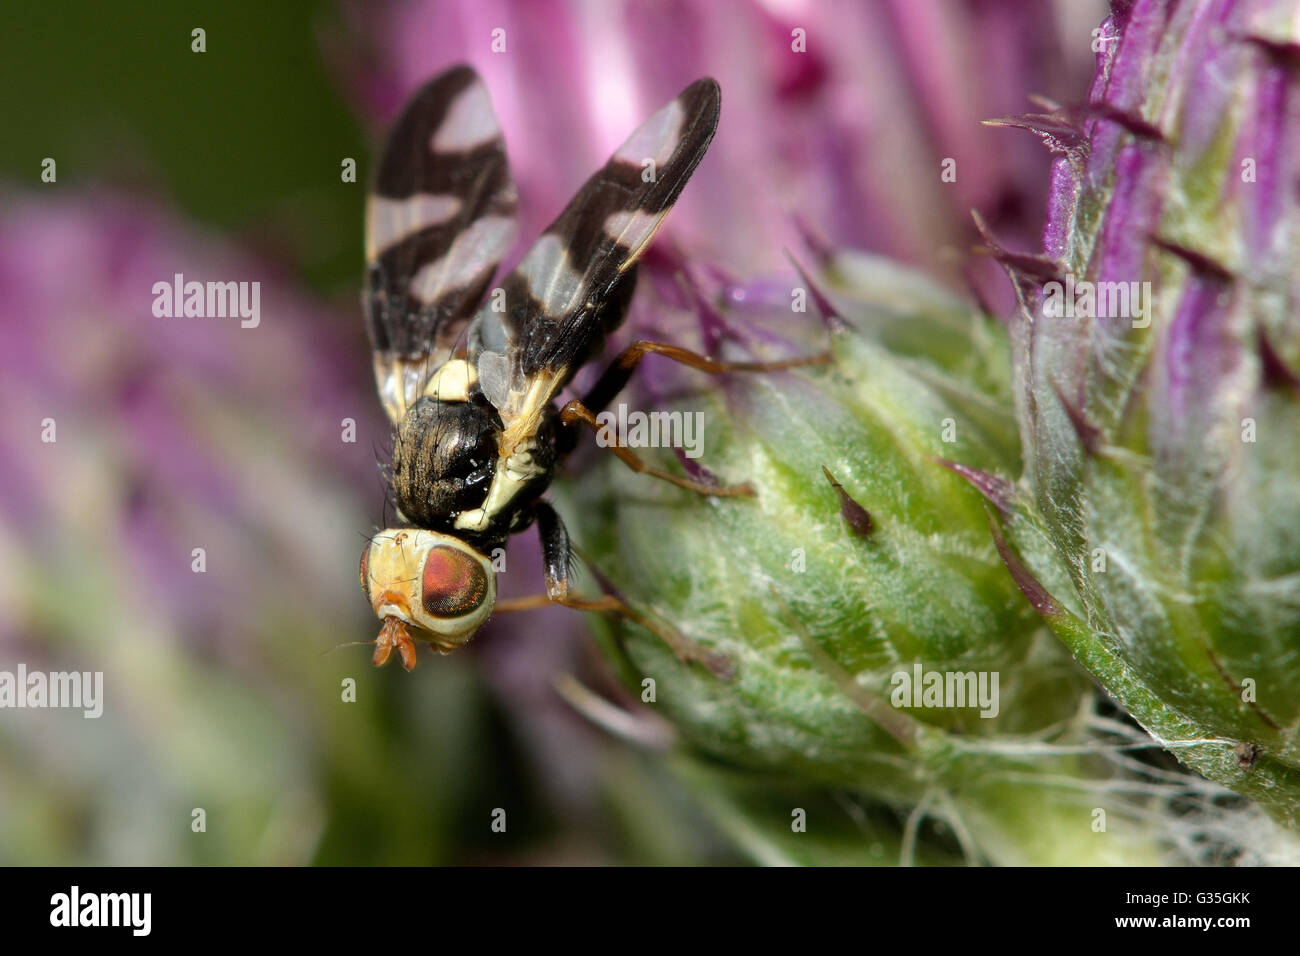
column 1158, row 366
column 851, row 628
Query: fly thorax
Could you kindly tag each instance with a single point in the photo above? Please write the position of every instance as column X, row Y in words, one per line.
column 523, row 472
column 444, row 459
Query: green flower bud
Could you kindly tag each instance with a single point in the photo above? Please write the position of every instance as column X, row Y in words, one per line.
column 802, row 631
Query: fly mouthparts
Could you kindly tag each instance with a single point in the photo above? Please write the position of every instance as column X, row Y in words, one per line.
column 393, row 635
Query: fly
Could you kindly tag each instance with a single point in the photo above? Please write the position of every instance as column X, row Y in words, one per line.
column 471, row 386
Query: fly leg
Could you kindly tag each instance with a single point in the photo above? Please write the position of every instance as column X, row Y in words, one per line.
column 575, row 413
column 621, row 369
column 558, row 562
column 616, row 376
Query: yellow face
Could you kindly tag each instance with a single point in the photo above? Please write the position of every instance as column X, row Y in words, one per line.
column 430, row 581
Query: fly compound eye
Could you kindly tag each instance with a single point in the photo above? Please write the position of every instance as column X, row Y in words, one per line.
column 365, row 572
column 454, row 583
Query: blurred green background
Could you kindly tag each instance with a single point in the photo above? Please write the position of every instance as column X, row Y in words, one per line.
column 246, row 137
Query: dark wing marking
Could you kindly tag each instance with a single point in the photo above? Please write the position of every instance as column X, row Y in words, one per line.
column 439, row 219
column 572, row 286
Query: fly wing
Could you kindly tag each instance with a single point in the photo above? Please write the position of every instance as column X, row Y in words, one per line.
column 439, row 219
column 572, row 285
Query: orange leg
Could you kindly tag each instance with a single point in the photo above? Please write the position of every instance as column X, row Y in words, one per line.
column 685, row 649
column 558, row 557
column 616, row 376
column 575, row 412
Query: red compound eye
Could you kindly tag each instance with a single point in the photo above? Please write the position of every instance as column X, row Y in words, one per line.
column 365, row 572
column 454, row 583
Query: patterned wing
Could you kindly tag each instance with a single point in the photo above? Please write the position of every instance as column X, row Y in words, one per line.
column 572, row 285
column 439, row 219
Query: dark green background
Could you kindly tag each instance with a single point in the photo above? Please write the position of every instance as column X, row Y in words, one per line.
column 247, row 137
